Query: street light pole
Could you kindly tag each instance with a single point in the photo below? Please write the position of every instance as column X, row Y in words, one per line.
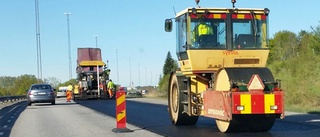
column 146, row 76
column 69, row 47
column 130, row 72
column 117, row 67
column 96, row 36
column 39, row 62
column 139, row 73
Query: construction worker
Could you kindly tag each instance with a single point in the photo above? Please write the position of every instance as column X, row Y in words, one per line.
column 106, row 73
column 110, row 88
column 69, row 92
column 201, row 29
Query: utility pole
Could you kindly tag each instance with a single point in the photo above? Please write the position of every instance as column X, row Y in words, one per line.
column 117, row 67
column 39, row 62
column 96, row 36
column 130, row 72
column 151, row 78
column 139, row 73
column 69, row 47
column 146, row 76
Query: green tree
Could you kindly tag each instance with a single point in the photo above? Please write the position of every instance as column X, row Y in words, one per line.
column 283, row 46
column 22, row 83
column 3, row 91
column 11, row 86
column 169, row 64
column 6, row 81
column 53, row 81
column 72, row 81
column 163, row 85
column 6, row 85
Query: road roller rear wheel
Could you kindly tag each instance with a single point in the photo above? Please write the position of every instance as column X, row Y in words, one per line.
column 175, row 99
column 223, row 126
column 243, row 122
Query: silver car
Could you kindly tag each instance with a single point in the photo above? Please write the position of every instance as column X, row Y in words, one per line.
column 61, row 93
column 41, row 93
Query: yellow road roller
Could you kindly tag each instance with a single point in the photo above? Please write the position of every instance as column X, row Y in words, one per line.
column 222, row 74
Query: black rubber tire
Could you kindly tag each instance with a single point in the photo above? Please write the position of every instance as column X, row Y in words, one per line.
column 247, row 123
column 84, row 95
column 175, row 103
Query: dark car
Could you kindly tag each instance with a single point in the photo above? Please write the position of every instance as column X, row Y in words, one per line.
column 135, row 93
column 41, row 93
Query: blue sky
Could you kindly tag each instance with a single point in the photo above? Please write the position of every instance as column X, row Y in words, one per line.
column 134, row 27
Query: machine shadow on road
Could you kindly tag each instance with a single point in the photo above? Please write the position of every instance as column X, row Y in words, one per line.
column 155, row 118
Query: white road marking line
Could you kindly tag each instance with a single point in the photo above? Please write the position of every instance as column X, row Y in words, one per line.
column 5, row 126
column 313, row 120
column 1, row 133
column 9, row 121
column 12, row 109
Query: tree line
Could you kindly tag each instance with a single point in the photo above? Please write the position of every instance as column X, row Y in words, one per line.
column 294, row 58
column 12, row 86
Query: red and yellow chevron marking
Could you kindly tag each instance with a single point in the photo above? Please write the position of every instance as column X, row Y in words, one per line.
column 209, row 16
column 121, row 109
column 224, row 16
column 248, row 16
column 257, row 103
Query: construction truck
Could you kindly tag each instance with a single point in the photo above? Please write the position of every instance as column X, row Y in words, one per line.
column 92, row 74
column 223, row 74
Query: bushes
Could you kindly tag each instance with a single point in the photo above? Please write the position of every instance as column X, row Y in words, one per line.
column 163, row 86
column 299, row 71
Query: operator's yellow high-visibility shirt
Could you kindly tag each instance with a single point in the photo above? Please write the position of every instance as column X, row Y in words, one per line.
column 204, row 29
column 110, row 84
column 201, row 29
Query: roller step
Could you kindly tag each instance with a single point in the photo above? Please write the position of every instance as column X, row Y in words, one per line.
column 185, row 80
column 184, row 102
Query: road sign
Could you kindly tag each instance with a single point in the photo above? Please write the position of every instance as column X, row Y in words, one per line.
column 255, row 83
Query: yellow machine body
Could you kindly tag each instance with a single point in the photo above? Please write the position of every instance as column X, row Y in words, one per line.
column 223, row 71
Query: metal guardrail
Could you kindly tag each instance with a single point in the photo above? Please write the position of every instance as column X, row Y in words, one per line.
column 11, row 99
